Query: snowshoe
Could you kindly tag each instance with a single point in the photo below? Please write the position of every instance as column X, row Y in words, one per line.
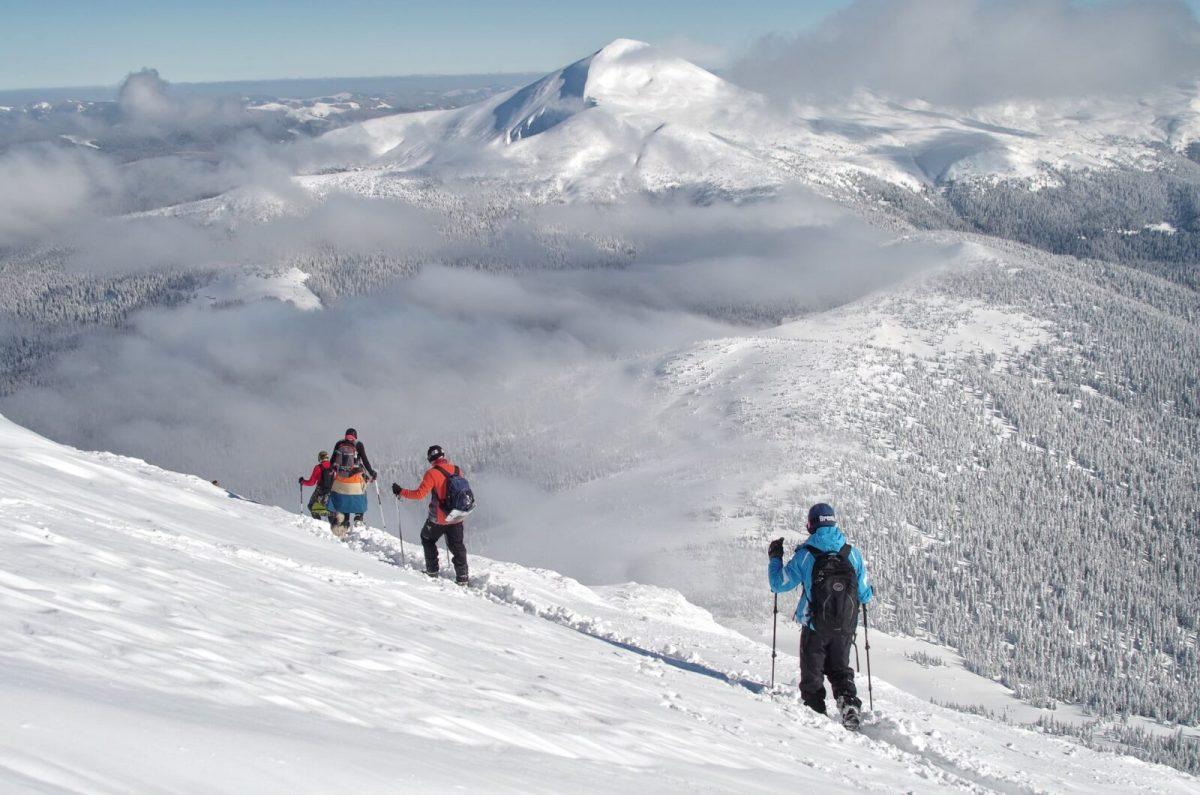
column 851, row 716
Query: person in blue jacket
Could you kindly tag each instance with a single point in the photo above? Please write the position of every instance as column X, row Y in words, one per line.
column 824, row 650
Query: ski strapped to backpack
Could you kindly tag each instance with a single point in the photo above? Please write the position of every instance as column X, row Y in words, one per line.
column 833, row 598
column 459, row 500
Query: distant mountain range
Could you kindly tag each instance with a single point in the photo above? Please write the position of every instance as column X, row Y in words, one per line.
column 1108, row 178
column 409, row 90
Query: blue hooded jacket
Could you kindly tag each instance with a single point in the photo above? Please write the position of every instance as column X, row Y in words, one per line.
column 798, row 571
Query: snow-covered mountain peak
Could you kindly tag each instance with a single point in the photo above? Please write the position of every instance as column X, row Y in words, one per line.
column 622, row 46
column 635, row 74
column 633, row 84
column 625, row 74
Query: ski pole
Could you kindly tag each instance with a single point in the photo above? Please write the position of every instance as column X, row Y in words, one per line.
column 400, row 532
column 301, row 499
column 379, row 500
column 774, row 629
column 867, row 647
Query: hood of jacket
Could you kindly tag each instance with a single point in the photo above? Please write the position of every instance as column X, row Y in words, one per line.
column 826, row 539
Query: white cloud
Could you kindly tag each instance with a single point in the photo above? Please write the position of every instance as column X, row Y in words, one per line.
column 970, row 52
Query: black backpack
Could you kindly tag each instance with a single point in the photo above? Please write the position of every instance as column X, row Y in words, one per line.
column 327, row 475
column 833, row 598
column 345, row 458
column 459, row 500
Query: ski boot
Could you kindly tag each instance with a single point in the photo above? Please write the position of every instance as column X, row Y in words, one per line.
column 851, row 715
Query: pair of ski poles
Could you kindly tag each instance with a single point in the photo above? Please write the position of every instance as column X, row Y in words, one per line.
column 866, row 645
column 382, row 514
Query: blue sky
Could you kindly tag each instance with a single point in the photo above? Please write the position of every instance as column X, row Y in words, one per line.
column 73, row 43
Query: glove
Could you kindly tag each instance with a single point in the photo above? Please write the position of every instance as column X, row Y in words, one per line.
column 300, row 480
column 396, row 489
column 775, row 549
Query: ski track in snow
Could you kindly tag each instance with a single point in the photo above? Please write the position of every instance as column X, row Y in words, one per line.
column 161, row 636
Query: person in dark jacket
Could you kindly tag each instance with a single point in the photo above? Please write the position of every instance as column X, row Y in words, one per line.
column 820, row 656
column 438, row 524
column 352, row 472
column 322, row 478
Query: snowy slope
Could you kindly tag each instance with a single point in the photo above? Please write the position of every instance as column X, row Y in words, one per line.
column 245, row 285
column 162, row 635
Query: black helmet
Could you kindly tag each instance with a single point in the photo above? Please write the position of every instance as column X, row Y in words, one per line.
column 434, row 453
column 821, row 515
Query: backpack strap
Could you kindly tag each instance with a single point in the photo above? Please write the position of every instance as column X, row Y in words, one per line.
column 446, row 473
column 843, row 553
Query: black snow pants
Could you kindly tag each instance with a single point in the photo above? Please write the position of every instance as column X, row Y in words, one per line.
column 431, row 533
column 821, row 657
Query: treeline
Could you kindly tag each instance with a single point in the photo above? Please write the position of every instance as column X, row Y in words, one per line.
column 1110, row 215
column 1172, row 749
column 1114, row 215
column 45, row 306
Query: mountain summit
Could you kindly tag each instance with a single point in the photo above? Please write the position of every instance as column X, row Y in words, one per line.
column 626, row 73
column 627, row 115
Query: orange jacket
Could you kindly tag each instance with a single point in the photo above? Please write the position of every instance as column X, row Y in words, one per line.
column 433, row 484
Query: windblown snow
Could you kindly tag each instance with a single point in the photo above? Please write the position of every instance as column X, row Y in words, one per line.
column 161, row 634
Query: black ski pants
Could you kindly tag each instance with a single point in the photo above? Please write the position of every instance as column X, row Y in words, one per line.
column 431, row 533
column 822, row 657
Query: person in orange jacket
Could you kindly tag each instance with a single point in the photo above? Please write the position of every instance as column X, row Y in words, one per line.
column 438, row 524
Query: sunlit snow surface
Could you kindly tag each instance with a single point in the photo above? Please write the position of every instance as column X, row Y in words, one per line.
column 162, row 635
column 247, row 285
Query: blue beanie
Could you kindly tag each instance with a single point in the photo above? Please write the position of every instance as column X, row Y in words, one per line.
column 821, row 515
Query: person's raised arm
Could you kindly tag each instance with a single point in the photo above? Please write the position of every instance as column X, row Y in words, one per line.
column 865, row 591
column 421, row 491
column 780, row 577
column 366, row 462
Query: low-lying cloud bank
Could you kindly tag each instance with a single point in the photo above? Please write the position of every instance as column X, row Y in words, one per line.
column 523, row 337
column 539, row 373
column 972, row 52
